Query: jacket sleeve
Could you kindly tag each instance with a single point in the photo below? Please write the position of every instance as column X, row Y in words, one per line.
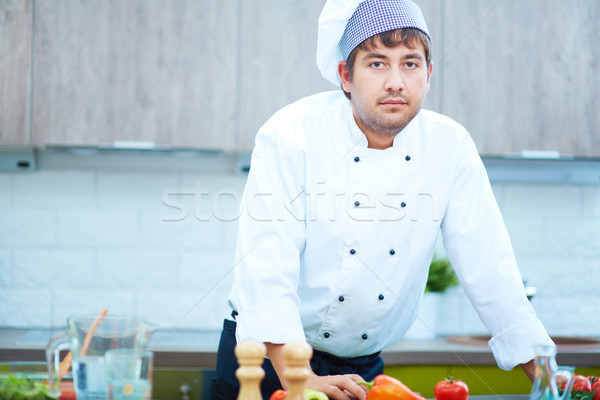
column 271, row 238
column 479, row 248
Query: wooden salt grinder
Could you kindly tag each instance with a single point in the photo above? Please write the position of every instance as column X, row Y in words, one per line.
column 297, row 371
column 250, row 356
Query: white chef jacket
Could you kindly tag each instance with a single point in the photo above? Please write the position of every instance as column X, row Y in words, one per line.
column 335, row 238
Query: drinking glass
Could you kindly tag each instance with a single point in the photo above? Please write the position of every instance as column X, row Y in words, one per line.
column 129, row 374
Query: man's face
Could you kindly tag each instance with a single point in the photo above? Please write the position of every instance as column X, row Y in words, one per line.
column 388, row 86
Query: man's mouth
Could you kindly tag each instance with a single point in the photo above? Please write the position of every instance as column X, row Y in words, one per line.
column 393, row 101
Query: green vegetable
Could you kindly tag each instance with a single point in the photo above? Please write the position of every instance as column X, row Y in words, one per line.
column 311, row 394
column 580, row 395
column 441, row 275
column 13, row 387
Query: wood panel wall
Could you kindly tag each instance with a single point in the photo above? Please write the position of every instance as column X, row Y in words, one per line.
column 15, row 71
column 524, row 74
column 518, row 74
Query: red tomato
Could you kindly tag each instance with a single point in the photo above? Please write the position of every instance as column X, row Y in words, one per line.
column 595, row 381
column 581, row 383
column 450, row 389
column 67, row 395
column 597, row 395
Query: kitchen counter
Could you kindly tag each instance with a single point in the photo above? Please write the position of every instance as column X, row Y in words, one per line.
column 187, row 348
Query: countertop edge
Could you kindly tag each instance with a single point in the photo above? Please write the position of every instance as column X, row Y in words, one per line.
column 182, row 352
column 208, row 358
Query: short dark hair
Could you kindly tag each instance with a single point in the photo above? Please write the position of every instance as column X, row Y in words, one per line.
column 393, row 38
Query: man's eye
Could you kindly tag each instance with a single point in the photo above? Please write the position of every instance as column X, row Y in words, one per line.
column 377, row 64
column 411, row 65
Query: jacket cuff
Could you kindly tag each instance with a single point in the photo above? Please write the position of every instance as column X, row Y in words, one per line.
column 274, row 322
column 516, row 345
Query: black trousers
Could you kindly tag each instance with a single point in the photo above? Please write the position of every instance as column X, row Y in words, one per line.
column 226, row 386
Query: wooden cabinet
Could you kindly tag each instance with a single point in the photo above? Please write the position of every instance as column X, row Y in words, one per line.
column 15, row 71
column 522, row 75
column 519, row 75
column 277, row 53
column 141, row 70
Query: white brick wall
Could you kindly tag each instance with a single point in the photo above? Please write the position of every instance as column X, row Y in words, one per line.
column 5, row 268
column 70, row 300
column 591, row 201
column 77, row 241
column 543, row 200
column 555, row 232
column 54, row 189
column 36, row 267
column 160, row 245
column 97, row 227
column 24, row 307
column 124, row 190
column 27, row 227
column 572, row 236
column 6, row 189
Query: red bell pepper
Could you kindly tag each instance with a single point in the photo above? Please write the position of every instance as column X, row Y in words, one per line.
column 385, row 387
column 278, row 395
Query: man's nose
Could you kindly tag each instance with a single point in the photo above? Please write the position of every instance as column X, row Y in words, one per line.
column 394, row 81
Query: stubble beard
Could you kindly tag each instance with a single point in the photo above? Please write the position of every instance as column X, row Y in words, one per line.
column 383, row 124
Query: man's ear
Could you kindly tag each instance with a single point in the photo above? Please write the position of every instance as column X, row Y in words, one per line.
column 344, row 76
column 429, row 75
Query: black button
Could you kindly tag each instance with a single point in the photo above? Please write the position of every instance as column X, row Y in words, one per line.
column 407, row 158
column 356, row 203
column 380, row 296
column 392, row 252
column 356, row 159
column 403, row 204
column 352, row 251
column 364, row 336
column 341, row 298
column 326, row 335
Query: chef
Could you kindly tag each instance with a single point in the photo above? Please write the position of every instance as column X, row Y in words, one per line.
column 345, row 198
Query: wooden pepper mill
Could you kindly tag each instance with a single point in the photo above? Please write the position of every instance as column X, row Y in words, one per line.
column 250, row 356
column 297, row 357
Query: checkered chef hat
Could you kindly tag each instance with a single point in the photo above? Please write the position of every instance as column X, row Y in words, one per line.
column 344, row 24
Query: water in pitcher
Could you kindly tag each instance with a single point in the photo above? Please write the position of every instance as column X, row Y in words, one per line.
column 138, row 390
column 90, row 378
column 89, row 350
column 129, row 374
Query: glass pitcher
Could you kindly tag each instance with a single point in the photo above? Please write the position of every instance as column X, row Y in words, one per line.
column 545, row 385
column 89, row 370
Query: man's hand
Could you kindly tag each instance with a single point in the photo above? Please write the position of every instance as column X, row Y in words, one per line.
column 529, row 369
column 336, row 387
